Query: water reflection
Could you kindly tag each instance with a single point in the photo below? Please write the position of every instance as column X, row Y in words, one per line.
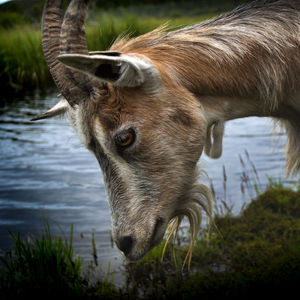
column 44, row 170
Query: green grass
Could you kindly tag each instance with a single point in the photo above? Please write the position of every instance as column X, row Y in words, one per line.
column 22, row 63
column 10, row 19
column 46, row 267
column 257, row 252
column 254, row 253
column 36, row 266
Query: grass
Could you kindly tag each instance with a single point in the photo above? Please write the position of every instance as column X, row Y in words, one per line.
column 22, row 62
column 45, row 267
column 36, row 266
column 256, row 252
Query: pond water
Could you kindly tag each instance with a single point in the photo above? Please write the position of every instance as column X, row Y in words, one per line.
column 45, row 171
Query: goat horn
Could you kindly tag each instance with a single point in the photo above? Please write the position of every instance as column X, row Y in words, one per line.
column 51, row 25
column 72, row 36
column 65, row 36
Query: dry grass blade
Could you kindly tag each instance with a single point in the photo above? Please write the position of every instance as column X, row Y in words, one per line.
column 173, row 226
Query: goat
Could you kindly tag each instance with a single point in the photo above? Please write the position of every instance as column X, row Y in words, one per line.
column 150, row 105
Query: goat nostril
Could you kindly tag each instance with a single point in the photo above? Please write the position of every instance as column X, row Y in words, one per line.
column 125, row 244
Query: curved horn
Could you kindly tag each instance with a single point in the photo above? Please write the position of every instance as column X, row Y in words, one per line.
column 72, row 36
column 65, row 37
column 51, row 25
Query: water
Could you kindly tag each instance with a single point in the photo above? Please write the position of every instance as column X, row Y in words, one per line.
column 44, row 170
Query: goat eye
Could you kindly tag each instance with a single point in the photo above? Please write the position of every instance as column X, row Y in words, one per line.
column 125, row 139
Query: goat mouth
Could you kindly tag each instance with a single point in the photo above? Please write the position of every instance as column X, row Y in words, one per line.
column 140, row 249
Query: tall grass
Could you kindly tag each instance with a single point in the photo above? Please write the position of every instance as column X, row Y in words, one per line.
column 46, row 267
column 21, row 59
column 22, row 63
column 38, row 265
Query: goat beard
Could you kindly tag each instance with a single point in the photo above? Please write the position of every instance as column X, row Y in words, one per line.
column 199, row 200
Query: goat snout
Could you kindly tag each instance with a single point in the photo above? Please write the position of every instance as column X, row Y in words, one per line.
column 125, row 244
column 137, row 243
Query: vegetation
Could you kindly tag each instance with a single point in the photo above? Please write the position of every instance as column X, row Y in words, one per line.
column 22, row 63
column 257, row 252
column 254, row 254
column 31, row 10
column 27, row 10
column 45, row 267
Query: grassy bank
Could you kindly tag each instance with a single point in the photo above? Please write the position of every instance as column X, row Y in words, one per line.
column 254, row 254
column 22, row 63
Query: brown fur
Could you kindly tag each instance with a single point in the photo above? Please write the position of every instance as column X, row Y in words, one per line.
column 251, row 54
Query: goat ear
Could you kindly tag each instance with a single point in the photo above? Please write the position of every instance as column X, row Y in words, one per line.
column 60, row 108
column 120, row 69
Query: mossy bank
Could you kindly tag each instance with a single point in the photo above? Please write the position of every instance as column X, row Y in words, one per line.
column 254, row 254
